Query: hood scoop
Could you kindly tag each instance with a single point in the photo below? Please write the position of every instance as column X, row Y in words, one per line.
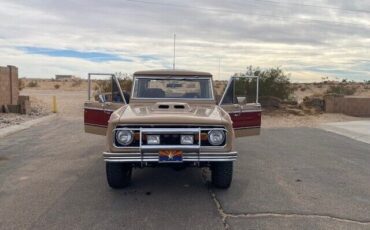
column 173, row 106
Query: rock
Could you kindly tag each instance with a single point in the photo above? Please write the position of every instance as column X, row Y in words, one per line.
column 291, row 102
column 314, row 102
column 296, row 112
column 270, row 101
column 6, row 109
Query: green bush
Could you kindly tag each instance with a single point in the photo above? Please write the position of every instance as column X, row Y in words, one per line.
column 32, row 84
column 272, row 82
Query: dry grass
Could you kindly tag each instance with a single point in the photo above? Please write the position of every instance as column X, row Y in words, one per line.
column 48, row 84
column 320, row 89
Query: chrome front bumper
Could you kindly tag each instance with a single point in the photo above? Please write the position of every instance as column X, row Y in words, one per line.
column 154, row 157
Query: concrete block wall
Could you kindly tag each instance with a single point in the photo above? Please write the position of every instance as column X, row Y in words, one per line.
column 9, row 91
column 349, row 105
column 334, row 103
column 357, row 106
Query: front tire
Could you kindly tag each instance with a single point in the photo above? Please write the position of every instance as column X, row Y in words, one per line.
column 118, row 174
column 222, row 174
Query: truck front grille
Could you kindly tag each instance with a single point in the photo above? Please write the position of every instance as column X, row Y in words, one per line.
column 169, row 136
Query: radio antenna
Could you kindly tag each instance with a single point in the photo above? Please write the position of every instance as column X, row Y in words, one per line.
column 219, row 68
column 174, row 50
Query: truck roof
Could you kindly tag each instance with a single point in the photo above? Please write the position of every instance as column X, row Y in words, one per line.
column 171, row 72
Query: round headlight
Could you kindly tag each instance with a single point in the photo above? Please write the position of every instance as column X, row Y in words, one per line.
column 124, row 137
column 216, row 137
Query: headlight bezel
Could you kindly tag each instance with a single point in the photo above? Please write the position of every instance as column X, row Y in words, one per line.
column 219, row 142
column 119, row 141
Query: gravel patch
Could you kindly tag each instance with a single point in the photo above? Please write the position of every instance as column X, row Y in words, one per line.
column 38, row 109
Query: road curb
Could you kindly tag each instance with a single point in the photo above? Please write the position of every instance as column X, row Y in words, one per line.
column 346, row 131
column 16, row 128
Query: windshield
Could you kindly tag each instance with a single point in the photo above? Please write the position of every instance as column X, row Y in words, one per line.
column 173, row 87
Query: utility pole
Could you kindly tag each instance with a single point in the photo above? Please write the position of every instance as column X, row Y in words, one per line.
column 174, row 50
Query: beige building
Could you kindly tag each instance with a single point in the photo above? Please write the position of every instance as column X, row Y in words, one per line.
column 9, row 91
column 64, row 77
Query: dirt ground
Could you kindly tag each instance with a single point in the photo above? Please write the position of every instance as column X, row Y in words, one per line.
column 278, row 120
column 38, row 109
column 70, row 103
column 10, row 119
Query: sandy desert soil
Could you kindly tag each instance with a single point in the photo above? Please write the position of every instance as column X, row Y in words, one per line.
column 69, row 103
column 51, row 84
column 279, row 120
column 301, row 90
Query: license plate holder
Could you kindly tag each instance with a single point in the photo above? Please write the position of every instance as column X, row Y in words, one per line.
column 168, row 156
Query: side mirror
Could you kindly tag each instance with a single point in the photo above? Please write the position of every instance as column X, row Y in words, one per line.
column 241, row 100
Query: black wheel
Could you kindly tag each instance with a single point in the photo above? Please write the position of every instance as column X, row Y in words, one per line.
column 222, row 174
column 118, row 174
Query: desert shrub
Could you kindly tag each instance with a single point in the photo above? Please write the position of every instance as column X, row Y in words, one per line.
column 106, row 85
column 76, row 82
column 295, row 87
column 103, row 86
column 303, row 89
column 32, row 84
column 126, row 83
column 272, row 82
column 341, row 90
column 21, row 84
column 56, row 86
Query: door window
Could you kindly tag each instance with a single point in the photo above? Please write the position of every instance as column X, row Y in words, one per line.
column 106, row 90
column 241, row 90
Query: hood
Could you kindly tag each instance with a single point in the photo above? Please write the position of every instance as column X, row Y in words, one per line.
column 173, row 113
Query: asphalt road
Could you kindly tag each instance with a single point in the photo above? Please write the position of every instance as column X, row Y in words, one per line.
column 53, row 177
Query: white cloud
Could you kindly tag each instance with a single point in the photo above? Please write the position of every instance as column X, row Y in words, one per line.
column 301, row 40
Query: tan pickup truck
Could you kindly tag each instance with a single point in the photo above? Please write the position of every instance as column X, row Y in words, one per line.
column 172, row 119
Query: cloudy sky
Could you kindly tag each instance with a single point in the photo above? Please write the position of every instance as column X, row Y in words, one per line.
column 309, row 39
